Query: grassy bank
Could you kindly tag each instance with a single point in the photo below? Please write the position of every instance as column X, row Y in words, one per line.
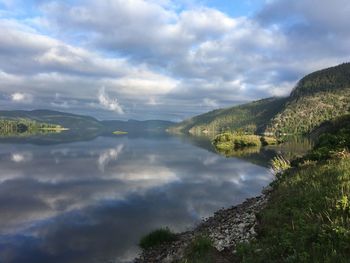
column 308, row 216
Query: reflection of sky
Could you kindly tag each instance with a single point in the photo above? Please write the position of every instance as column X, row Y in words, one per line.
column 91, row 201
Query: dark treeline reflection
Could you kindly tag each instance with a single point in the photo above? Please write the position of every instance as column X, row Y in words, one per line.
column 92, row 201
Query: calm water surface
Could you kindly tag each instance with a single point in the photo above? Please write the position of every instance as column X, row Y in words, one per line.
column 92, row 201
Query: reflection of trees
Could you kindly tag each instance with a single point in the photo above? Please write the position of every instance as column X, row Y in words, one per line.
column 241, row 152
column 293, row 147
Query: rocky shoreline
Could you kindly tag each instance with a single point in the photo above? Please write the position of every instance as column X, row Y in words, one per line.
column 226, row 228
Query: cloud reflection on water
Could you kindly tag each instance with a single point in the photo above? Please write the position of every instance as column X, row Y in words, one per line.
column 91, row 201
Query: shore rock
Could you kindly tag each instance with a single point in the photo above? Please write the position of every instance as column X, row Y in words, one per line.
column 226, row 228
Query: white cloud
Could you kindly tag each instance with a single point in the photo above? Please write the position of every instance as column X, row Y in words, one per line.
column 174, row 53
column 153, row 101
column 210, row 103
column 21, row 97
column 108, row 103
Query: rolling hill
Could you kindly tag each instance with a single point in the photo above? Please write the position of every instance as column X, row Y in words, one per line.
column 318, row 97
column 68, row 120
column 77, row 123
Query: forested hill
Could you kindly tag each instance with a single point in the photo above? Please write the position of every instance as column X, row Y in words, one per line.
column 77, row 123
column 67, row 120
column 318, row 97
column 251, row 117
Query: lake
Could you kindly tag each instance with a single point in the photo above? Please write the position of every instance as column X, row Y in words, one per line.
column 91, row 201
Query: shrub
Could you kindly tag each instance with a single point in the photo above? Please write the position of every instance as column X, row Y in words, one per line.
column 228, row 141
column 156, row 238
column 279, row 164
column 199, row 251
column 241, row 141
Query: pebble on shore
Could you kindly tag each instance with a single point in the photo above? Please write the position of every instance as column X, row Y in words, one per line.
column 226, row 228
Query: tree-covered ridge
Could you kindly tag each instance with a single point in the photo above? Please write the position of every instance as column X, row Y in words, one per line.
column 301, row 116
column 251, row 117
column 326, row 80
column 318, row 97
column 10, row 127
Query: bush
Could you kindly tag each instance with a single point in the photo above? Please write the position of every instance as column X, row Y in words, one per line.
column 228, row 141
column 156, row 238
column 241, row 141
column 279, row 164
column 200, row 251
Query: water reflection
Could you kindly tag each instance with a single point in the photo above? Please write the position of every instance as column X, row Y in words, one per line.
column 109, row 155
column 91, row 201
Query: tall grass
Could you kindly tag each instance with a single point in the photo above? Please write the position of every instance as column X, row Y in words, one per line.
column 307, row 218
column 279, row 164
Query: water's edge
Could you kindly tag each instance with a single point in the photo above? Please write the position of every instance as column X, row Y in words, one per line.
column 226, row 228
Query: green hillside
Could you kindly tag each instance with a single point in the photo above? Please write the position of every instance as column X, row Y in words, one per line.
column 318, row 97
column 251, row 117
column 68, row 120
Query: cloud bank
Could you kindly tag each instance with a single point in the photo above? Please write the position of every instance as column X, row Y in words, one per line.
column 162, row 59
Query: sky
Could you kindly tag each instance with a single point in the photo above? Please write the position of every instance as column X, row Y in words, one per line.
column 162, row 59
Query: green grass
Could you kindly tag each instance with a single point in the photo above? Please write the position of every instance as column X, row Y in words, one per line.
column 308, row 216
column 279, row 164
column 156, row 238
column 120, row 132
column 200, row 251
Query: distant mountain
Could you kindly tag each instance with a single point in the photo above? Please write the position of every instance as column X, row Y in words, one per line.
column 81, row 122
column 67, row 120
column 318, row 97
column 136, row 126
